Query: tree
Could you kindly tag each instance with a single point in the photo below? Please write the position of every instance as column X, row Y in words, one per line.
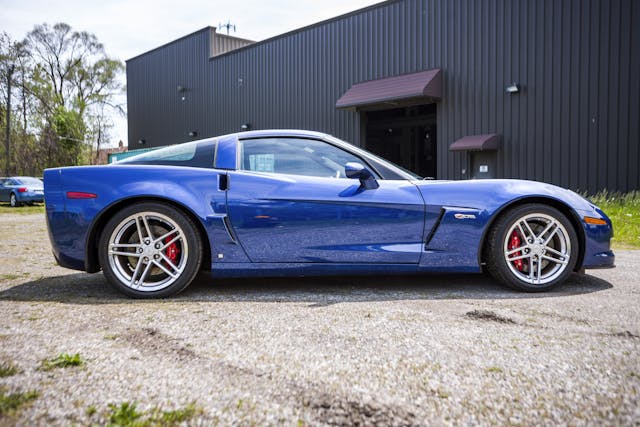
column 57, row 92
column 74, row 81
column 12, row 54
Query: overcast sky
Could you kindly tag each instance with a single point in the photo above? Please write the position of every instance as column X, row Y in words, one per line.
column 129, row 28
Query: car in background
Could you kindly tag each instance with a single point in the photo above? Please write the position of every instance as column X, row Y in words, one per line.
column 19, row 190
column 302, row 203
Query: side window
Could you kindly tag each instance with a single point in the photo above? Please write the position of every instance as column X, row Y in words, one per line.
column 294, row 156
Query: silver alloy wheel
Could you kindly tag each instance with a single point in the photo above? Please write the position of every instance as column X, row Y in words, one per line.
column 148, row 251
column 13, row 201
column 537, row 248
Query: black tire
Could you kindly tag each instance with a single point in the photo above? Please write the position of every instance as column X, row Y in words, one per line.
column 13, row 201
column 156, row 244
column 532, row 265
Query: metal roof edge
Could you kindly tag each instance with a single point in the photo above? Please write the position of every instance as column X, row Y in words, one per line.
column 308, row 27
column 208, row 28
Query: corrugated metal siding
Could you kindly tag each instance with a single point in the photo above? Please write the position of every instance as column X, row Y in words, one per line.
column 575, row 123
column 156, row 111
column 221, row 43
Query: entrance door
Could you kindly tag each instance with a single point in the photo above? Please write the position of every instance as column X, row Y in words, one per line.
column 405, row 136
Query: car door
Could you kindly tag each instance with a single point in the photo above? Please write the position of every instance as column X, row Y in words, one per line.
column 291, row 202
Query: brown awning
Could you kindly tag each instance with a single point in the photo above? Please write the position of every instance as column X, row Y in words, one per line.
column 476, row 143
column 424, row 86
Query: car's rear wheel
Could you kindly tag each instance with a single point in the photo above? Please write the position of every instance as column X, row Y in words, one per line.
column 532, row 248
column 13, row 201
column 150, row 250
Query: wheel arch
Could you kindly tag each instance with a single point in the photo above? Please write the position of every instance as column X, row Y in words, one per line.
column 549, row 201
column 92, row 263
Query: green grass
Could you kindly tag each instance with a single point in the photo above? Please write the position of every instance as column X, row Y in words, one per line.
column 177, row 416
column 11, row 402
column 7, row 369
column 624, row 211
column 127, row 415
column 63, row 360
column 5, row 208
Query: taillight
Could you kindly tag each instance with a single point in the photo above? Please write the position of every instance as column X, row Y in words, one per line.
column 22, row 190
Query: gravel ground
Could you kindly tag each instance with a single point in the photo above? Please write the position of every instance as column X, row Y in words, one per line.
column 430, row 350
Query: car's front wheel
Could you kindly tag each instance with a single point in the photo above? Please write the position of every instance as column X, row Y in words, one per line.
column 150, row 250
column 532, row 248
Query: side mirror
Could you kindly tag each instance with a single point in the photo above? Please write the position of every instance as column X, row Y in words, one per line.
column 358, row 171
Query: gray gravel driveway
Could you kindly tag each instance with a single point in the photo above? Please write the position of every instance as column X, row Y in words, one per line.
column 429, row 350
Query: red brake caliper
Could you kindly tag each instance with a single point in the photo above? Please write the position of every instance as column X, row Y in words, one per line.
column 514, row 242
column 172, row 251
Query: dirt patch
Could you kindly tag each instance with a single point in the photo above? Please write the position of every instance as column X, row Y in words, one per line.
column 489, row 316
column 336, row 411
column 626, row 334
column 152, row 340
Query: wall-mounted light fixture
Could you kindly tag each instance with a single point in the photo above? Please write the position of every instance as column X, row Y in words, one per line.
column 193, row 133
column 142, row 141
column 513, row 88
column 245, row 126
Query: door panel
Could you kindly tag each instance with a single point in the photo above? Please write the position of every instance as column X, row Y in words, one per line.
column 294, row 218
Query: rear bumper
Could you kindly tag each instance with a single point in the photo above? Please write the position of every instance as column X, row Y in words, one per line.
column 30, row 197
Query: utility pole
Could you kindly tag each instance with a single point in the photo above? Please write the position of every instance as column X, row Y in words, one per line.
column 7, row 142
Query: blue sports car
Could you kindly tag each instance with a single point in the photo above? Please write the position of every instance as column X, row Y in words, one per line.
column 18, row 190
column 296, row 203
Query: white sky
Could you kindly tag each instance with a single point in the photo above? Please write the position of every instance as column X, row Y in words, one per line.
column 129, row 28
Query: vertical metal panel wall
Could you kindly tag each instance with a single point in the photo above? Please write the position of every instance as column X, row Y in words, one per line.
column 575, row 122
column 158, row 112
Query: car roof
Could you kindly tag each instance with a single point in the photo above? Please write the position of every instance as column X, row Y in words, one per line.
column 277, row 132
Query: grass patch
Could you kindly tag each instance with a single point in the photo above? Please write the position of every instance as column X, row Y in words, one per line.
column 7, row 369
column 624, row 211
column 12, row 401
column 177, row 416
column 63, row 360
column 124, row 415
column 127, row 415
column 494, row 369
column 5, row 208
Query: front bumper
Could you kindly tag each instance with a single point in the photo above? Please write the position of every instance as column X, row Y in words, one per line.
column 600, row 260
column 597, row 247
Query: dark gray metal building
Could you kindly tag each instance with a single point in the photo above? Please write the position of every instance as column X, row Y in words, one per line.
column 535, row 89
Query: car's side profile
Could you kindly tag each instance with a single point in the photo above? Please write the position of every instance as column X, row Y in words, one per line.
column 19, row 190
column 288, row 202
